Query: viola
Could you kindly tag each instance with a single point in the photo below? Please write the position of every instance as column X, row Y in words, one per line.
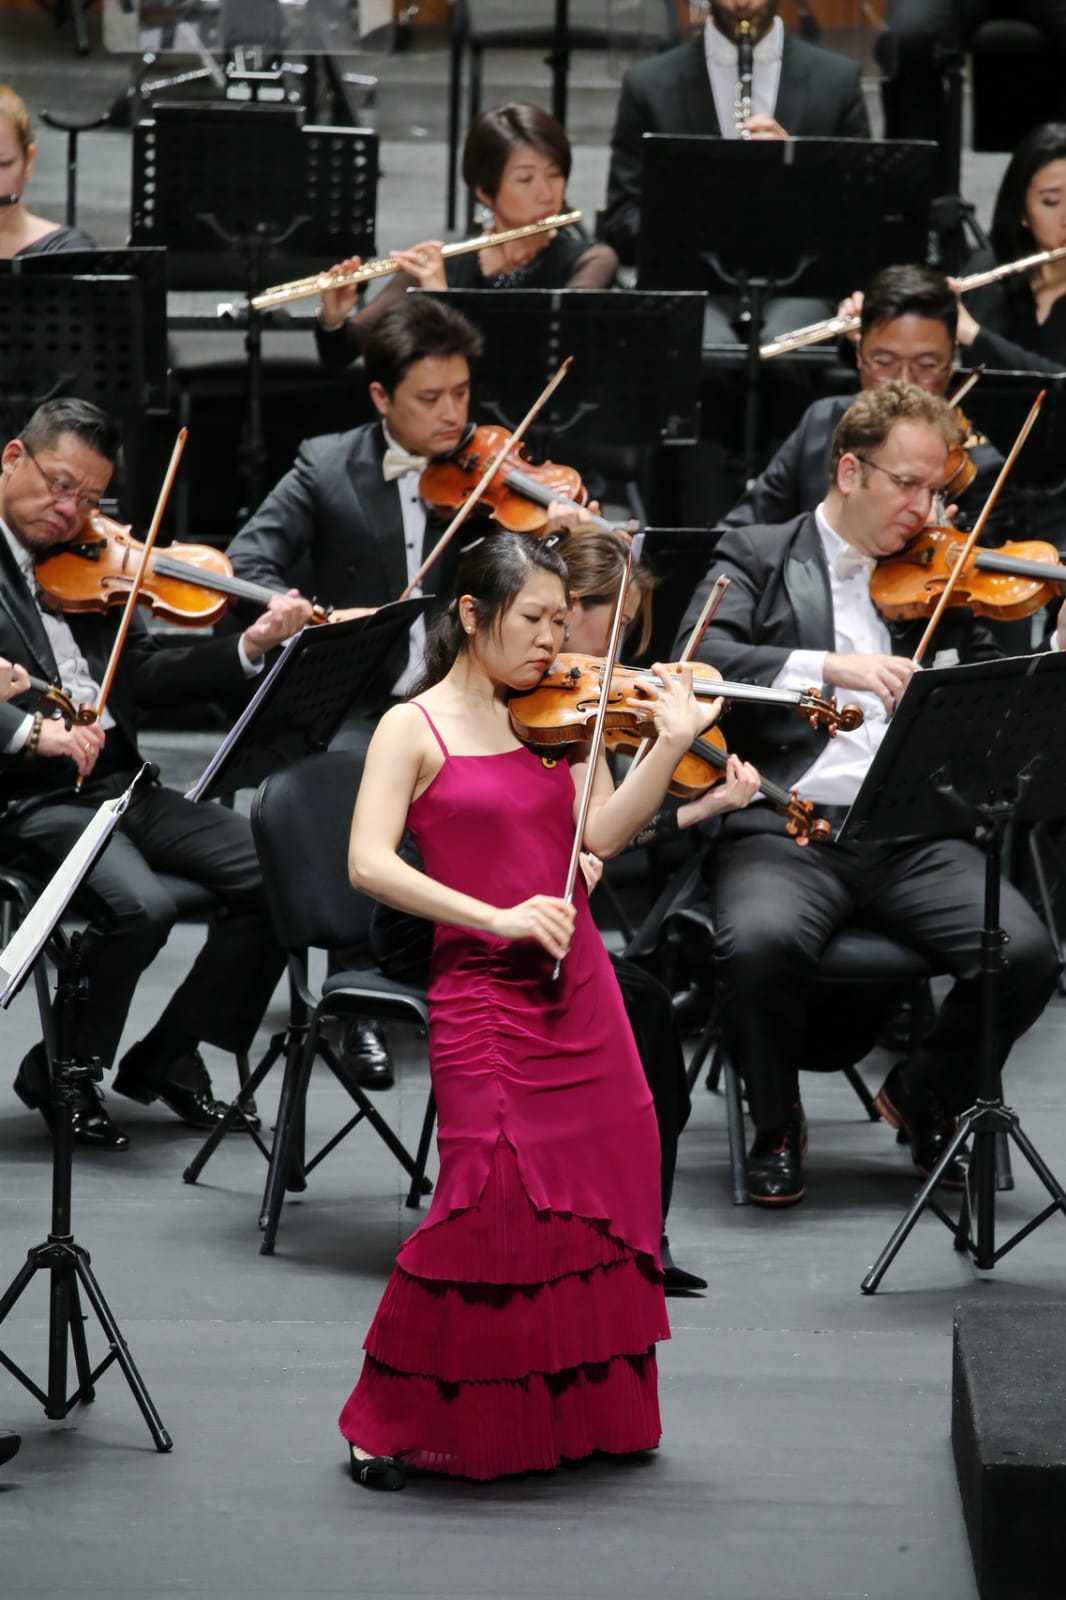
column 704, row 764
column 959, row 469
column 517, row 495
column 563, row 707
column 1010, row 582
column 190, row 585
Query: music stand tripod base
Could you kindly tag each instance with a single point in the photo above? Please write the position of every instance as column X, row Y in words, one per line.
column 972, row 746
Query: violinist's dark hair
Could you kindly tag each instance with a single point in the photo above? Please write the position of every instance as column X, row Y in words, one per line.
column 496, row 132
column 93, row 427
column 492, row 571
column 909, row 291
column 1011, row 236
column 416, row 328
column 869, row 420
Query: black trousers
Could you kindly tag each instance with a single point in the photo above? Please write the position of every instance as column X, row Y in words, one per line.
column 775, row 907
column 913, row 94
column 231, row 982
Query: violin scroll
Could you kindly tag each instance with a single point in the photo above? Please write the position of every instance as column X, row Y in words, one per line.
column 822, row 713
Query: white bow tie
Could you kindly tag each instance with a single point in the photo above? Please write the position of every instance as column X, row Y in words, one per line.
column 394, row 463
column 849, row 561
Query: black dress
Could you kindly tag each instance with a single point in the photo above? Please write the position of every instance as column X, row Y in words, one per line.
column 59, row 239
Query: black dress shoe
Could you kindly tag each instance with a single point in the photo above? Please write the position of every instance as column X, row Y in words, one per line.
column 9, row 1445
column 183, row 1085
column 89, row 1122
column 928, row 1126
column 675, row 1279
column 365, row 1055
column 377, row 1472
column 775, row 1163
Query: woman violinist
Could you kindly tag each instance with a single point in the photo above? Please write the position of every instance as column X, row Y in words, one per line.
column 516, row 160
column 520, row 1325
column 21, row 232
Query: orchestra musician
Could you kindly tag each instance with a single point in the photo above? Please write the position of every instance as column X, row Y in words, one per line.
column 798, row 610
column 1019, row 323
column 22, row 233
column 540, row 1252
column 798, row 89
column 53, row 476
column 908, row 331
column 516, row 161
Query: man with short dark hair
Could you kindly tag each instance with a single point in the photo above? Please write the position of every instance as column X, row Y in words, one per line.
column 798, row 611
column 52, row 478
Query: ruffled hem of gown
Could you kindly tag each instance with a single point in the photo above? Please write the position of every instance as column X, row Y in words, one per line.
column 476, row 1377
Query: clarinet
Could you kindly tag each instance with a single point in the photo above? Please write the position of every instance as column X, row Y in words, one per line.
column 745, row 37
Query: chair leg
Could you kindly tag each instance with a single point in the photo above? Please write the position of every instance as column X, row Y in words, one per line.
column 418, row 1177
column 455, row 92
column 369, row 1110
column 288, row 1137
column 734, row 1118
column 473, row 108
column 855, row 1078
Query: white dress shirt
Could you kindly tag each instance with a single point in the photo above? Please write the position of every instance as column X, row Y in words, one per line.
column 414, row 533
column 721, row 56
column 835, row 776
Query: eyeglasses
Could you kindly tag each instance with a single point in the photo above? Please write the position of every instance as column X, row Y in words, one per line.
column 60, row 488
column 911, row 487
column 923, row 369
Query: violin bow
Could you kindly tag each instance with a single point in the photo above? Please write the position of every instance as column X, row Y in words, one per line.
column 966, row 385
column 490, row 472
column 596, row 741
column 692, row 644
column 138, row 580
column 978, row 529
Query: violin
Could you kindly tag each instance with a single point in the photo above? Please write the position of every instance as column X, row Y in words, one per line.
column 190, row 585
column 704, row 764
column 563, row 707
column 517, row 495
column 1013, row 581
column 959, row 469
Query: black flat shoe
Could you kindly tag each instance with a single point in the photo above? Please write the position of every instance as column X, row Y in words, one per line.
column 90, row 1124
column 364, row 1054
column 775, row 1163
column 377, row 1472
column 183, row 1085
column 675, row 1279
column 928, row 1127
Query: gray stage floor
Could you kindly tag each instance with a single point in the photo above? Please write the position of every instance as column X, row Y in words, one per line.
column 805, row 1451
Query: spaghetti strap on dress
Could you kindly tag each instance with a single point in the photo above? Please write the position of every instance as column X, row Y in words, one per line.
column 519, row 1325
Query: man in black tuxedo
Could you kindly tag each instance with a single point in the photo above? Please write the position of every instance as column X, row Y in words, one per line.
column 798, row 611
column 908, row 327
column 53, row 476
column 798, row 89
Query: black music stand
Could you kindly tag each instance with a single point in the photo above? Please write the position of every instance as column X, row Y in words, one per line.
column 231, row 189
column 759, row 217
column 974, row 747
column 680, row 559
column 67, row 1262
column 997, row 406
column 636, row 374
column 323, row 674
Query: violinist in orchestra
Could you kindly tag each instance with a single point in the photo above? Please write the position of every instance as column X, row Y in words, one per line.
column 1019, row 323
column 797, row 90
column 516, row 162
column 22, row 233
column 520, row 1325
column 799, row 610
column 52, row 479
column 908, row 331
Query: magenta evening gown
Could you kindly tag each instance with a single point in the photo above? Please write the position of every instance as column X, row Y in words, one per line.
column 520, row 1323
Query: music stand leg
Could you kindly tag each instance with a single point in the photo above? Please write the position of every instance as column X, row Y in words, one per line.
column 65, row 1261
column 988, row 1119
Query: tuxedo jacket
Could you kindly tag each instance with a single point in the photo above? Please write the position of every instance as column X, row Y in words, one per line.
column 819, row 96
column 779, row 600
column 149, row 675
column 334, row 510
column 797, row 477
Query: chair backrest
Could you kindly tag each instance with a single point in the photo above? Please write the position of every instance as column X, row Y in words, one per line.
column 301, row 819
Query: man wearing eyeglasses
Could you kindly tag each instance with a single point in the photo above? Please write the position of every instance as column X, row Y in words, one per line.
column 51, row 479
column 798, row 612
column 909, row 319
